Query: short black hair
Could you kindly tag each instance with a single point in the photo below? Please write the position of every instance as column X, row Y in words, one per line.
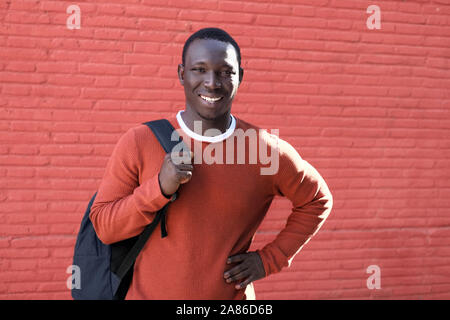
column 213, row 34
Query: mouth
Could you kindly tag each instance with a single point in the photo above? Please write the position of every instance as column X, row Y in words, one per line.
column 210, row 99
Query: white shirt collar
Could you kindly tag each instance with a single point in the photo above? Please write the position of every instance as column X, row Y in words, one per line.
column 199, row 137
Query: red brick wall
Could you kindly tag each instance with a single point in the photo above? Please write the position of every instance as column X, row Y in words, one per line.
column 368, row 108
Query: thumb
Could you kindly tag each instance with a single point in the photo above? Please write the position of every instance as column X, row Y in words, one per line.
column 185, row 177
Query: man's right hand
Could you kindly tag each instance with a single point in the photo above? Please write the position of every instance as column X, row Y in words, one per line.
column 172, row 175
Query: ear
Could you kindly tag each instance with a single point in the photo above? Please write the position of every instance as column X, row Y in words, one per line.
column 181, row 73
column 241, row 75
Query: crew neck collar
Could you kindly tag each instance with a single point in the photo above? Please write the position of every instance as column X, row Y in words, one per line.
column 199, row 137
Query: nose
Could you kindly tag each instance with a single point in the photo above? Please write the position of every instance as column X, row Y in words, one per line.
column 212, row 81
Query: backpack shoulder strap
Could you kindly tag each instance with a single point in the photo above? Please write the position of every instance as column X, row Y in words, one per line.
column 166, row 134
column 168, row 138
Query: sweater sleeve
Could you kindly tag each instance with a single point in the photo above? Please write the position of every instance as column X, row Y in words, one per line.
column 122, row 207
column 311, row 199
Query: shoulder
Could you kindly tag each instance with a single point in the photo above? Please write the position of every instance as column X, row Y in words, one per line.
column 288, row 150
column 245, row 125
column 271, row 137
column 141, row 134
column 248, row 128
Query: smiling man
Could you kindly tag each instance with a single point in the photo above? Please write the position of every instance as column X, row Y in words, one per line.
column 210, row 74
column 219, row 205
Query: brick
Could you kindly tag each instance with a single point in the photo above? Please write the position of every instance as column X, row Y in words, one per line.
column 16, row 89
column 56, row 67
column 4, row 242
column 22, row 77
column 24, row 253
column 24, row 230
column 58, row 91
column 211, row 5
column 72, row 80
column 111, row 9
column 23, row 264
column 23, row 287
column 52, row 286
column 64, row 229
column 64, row 149
column 149, row 11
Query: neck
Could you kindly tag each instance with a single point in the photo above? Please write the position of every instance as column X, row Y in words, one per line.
column 221, row 123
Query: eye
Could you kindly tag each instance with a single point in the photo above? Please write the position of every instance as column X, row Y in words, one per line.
column 228, row 72
column 198, row 69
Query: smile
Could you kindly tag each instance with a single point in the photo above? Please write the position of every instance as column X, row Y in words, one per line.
column 210, row 99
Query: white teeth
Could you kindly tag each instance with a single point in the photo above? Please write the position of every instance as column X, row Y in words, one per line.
column 210, row 99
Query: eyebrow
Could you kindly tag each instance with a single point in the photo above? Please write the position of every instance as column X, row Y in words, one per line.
column 202, row 62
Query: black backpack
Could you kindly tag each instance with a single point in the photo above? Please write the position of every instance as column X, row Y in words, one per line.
column 105, row 271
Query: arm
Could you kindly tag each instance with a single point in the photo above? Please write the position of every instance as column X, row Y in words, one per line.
column 312, row 202
column 122, row 207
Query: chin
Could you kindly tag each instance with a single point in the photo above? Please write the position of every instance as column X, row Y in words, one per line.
column 211, row 115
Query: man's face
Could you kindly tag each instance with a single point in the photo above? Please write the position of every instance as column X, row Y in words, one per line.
column 210, row 77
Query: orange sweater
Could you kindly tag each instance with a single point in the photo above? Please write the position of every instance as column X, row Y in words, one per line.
column 215, row 215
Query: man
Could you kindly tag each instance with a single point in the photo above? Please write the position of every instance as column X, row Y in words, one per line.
column 219, row 204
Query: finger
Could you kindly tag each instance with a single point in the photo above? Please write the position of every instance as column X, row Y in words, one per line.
column 244, row 283
column 241, row 275
column 236, row 258
column 184, row 176
column 185, row 167
column 233, row 271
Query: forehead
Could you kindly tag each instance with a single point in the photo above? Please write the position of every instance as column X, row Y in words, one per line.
column 211, row 51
